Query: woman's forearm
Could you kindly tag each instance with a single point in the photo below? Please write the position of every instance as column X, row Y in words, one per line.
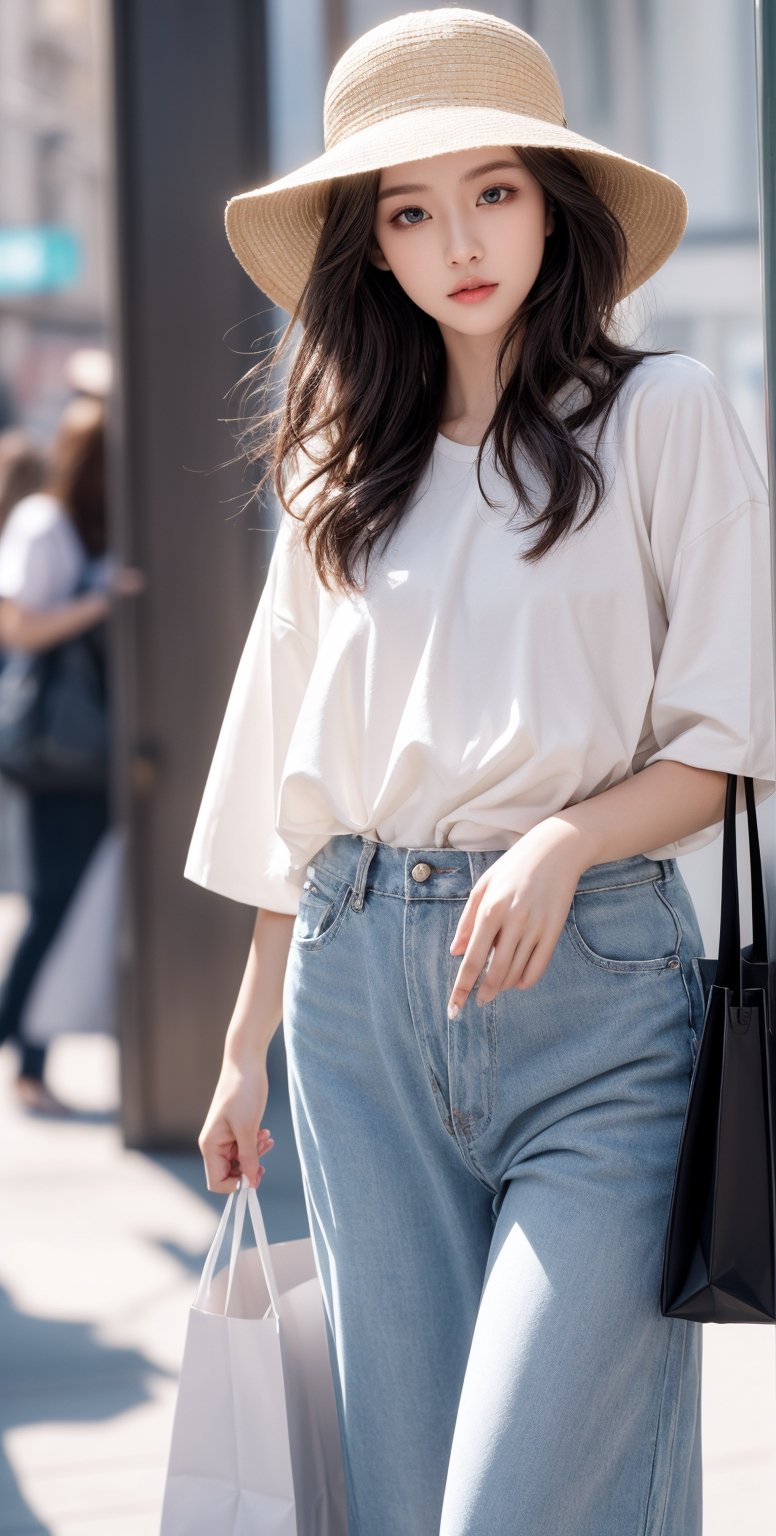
column 259, row 1007
column 36, row 629
column 655, row 807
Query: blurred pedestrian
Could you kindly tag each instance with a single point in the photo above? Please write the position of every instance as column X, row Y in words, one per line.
column 53, row 542
column 22, row 471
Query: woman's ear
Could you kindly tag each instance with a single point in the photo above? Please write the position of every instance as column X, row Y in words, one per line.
column 377, row 258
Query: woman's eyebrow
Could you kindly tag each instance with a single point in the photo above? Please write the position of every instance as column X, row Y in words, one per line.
column 479, row 170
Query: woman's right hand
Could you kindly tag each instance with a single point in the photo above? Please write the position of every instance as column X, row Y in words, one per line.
column 232, row 1140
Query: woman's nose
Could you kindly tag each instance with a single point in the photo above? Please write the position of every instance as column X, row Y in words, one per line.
column 462, row 240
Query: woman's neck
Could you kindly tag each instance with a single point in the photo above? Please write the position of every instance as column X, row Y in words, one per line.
column 470, row 397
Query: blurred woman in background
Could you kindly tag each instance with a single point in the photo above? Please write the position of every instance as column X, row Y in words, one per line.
column 53, row 542
column 22, row 471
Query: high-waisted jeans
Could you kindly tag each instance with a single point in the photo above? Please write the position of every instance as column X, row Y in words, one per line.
column 488, row 1198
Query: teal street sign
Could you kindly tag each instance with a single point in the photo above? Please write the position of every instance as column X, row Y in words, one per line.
column 37, row 259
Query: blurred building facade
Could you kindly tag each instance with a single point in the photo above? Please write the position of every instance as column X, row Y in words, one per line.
column 53, row 177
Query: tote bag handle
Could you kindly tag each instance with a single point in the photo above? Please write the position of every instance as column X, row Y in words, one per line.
column 728, row 972
column 246, row 1197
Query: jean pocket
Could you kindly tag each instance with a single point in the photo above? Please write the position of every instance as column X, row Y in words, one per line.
column 624, row 927
column 322, row 907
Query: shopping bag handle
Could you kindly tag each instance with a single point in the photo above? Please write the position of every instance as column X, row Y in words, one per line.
column 246, row 1197
column 728, row 971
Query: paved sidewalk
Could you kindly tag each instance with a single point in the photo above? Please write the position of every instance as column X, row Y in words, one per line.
column 99, row 1256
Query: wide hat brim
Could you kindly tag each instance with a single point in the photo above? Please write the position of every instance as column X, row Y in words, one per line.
column 274, row 230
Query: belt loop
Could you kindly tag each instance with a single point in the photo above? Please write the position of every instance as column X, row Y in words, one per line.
column 477, row 864
column 365, row 858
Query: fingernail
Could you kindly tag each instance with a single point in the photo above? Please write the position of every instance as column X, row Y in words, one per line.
column 453, row 1010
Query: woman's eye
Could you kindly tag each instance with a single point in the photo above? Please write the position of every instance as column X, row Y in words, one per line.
column 406, row 214
column 401, row 213
column 498, row 189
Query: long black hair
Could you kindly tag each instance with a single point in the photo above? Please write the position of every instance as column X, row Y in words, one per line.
column 363, row 398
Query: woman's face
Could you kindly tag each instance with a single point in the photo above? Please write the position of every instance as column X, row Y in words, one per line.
column 462, row 216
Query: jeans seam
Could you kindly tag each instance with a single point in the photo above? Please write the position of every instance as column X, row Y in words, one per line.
column 674, row 914
column 649, row 1529
column 418, row 1024
column 466, row 1146
column 468, row 1128
column 404, row 896
column 691, row 1030
column 615, row 885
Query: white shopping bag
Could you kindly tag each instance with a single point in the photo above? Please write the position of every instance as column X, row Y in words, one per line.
column 76, row 987
column 255, row 1448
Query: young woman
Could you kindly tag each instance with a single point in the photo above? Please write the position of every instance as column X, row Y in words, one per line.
column 514, row 635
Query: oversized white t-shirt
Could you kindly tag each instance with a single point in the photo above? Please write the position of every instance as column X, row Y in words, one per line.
column 466, row 694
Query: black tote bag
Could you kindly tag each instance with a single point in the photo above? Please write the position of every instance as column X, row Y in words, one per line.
column 54, row 718
column 719, row 1261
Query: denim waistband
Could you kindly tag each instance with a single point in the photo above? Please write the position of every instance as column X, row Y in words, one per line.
column 388, row 869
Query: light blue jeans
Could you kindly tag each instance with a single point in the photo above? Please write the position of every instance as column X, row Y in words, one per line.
column 488, row 1197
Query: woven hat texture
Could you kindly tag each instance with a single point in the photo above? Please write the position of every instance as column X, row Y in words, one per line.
column 428, row 83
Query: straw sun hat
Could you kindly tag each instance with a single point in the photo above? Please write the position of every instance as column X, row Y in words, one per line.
column 427, row 83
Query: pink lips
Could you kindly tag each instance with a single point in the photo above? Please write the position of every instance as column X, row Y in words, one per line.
column 473, row 295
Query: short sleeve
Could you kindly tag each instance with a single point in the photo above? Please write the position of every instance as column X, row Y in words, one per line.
column 235, row 849
column 40, row 557
column 706, row 508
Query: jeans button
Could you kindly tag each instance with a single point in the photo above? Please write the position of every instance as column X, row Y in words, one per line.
column 420, row 871
column 673, row 962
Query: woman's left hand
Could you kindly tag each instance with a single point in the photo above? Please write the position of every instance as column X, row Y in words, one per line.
column 518, row 908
